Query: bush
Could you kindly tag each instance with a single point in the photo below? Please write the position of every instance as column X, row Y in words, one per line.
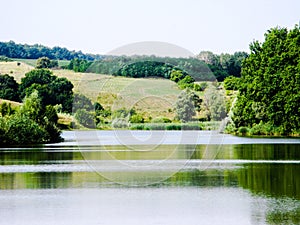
column 161, row 120
column 137, row 119
column 243, row 131
column 85, row 118
column 120, row 123
column 22, row 130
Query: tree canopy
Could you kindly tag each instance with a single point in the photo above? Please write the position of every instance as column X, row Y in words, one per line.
column 9, row 88
column 52, row 89
column 24, row 51
column 269, row 90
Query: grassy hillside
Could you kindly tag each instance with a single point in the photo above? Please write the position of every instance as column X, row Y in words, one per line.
column 13, row 69
column 151, row 97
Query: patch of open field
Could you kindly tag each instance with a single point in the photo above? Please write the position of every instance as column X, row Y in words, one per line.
column 149, row 96
column 15, row 70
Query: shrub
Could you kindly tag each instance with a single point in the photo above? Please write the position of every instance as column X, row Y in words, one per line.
column 85, row 118
column 22, row 130
column 161, row 120
column 243, row 130
column 137, row 119
column 120, row 123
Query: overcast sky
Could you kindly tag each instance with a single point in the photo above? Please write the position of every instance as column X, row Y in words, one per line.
column 99, row 26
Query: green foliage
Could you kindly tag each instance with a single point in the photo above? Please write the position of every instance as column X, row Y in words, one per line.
column 6, row 109
column 224, row 65
column 137, row 118
column 231, row 83
column 177, row 75
column 9, row 88
column 270, row 83
column 19, row 51
column 185, row 108
column 161, row 120
column 85, row 118
column 82, row 102
column 32, row 107
column 200, row 87
column 186, row 82
column 168, row 126
column 214, row 103
column 45, row 62
column 31, row 124
column 22, row 130
column 79, row 65
column 145, row 66
column 146, row 69
column 52, row 90
column 120, row 123
column 243, row 131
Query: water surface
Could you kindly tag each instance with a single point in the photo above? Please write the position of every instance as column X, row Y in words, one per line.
column 123, row 178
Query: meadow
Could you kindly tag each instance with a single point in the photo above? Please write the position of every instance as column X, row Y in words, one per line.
column 151, row 97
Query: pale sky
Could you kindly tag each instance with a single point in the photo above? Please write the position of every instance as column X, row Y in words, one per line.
column 98, row 26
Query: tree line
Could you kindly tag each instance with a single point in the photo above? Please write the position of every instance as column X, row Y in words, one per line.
column 205, row 67
column 24, row 51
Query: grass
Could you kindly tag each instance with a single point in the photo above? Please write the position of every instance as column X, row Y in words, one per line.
column 11, row 68
column 32, row 62
column 150, row 97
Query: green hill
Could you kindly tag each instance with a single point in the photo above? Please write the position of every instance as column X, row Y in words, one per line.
column 151, row 97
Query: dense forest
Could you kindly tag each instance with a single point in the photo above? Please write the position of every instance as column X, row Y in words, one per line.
column 269, row 89
column 205, row 67
column 24, row 51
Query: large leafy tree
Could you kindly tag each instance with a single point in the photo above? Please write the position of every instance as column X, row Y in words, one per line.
column 269, row 90
column 185, row 107
column 9, row 88
column 52, row 90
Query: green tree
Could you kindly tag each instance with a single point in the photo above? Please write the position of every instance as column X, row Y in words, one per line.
column 85, row 118
column 52, row 90
column 184, row 107
column 9, row 88
column 82, row 102
column 214, row 101
column 270, row 82
column 43, row 63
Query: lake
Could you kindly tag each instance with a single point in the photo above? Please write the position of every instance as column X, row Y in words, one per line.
column 152, row 177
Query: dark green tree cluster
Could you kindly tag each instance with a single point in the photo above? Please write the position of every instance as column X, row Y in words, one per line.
column 30, row 124
column 12, row 50
column 146, row 69
column 141, row 66
column 9, row 88
column 52, row 89
column 46, row 63
column 79, row 65
column 269, row 90
column 224, row 65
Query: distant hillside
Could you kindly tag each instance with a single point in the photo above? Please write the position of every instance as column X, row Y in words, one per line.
column 150, row 97
column 24, row 51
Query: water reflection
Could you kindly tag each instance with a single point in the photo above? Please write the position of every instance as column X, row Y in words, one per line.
column 269, row 173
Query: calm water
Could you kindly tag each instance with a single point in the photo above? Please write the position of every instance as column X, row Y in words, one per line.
column 163, row 178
